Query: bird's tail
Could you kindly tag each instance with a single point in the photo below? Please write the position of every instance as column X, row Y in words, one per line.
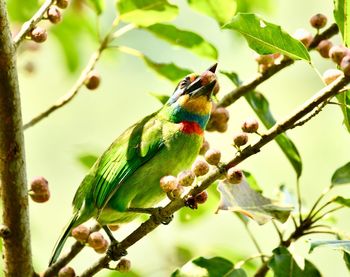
column 62, row 240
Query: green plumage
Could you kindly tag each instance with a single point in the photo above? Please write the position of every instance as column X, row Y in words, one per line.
column 128, row 172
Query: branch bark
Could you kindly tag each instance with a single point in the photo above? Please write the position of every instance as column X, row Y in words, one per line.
column 17, row 248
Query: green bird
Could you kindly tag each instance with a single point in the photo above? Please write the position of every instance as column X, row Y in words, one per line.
column 127, row 174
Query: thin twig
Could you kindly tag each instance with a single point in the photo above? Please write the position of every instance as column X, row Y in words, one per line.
column 241, row 263
column 316, row 112
column 280, row 235
column 324, row 192
column 31, row 23
column 299, row 195
column 254, row 240
column 149, row 225
column 327, row 212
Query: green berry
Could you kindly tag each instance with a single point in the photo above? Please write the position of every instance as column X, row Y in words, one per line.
column 318, row 21
column 200, row 167
column 213, row 156
column 234, row 176
column 81, row 233
column 186, row 178
column 168, row 183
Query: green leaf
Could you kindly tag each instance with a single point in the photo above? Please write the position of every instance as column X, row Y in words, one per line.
column 283, row 265
column 341, row 14
column 146, row 12
column 20, row 10
column 97, row 5
column 242, row 199
column 343, row 245
column 344, row 101
column 342, row 201
column 233, row 76
column 342, row 175
column 267, row 38
column 261, row 107
column 168, row 70
column 162, row 98
column 346, row 258
column 213, row 267
column 221, row 10
column 252, row 181
column 186, row 39
column 87, row 159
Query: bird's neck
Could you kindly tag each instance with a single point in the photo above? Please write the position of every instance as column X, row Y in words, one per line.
column 190, row 122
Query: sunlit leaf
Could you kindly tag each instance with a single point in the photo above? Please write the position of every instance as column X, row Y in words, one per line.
column 341, row 15
column 146, row 12
column 267, row 38
column 162, row 98
column 342, row 201
column 252, row 181
column 342, row 175
column 186, row 39
column 221, row 10
column 213, row 267
column 261, row 107
column 343, row 245
column 283, row 265
column 97, row 5
column 87, row 159
column 344, row 101
column 241, row 198
column 168, row 70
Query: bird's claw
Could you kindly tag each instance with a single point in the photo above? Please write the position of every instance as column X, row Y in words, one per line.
column 115, row 252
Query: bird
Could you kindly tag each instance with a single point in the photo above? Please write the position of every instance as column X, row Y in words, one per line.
column 128, row 173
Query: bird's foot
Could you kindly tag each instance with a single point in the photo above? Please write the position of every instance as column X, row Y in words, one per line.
column 115, row 251
column 156, row 214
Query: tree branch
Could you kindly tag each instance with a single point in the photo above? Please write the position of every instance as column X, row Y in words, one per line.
column 238, row 92
column 280, row 127
column 17, row 248
column 30, row 24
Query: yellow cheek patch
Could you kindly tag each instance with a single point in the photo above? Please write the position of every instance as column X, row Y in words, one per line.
column 199, row 105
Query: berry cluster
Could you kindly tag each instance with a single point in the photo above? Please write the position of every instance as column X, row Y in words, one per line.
column 250, row 125
column 93, row 239
column 218, row 119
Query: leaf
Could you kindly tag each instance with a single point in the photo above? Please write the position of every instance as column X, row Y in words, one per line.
column 146, row 12
column 186, row 39
column 344, row 101
column 342, row 201
column 162, row 98
column 343, row 245
column 346, row 258
column 241, row 198
column 252, row 181
column 213, row 267
column 267, row 38
column 21, row 11
column 233, row 76
column 87, row 159
column 97, row 5
column 283, row 265
column 168, row 70
column 341, row 14
column 261, row 107
column 221, row 10
column 342, row 175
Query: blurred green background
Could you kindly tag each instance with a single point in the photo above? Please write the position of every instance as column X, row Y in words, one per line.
column 95, row 118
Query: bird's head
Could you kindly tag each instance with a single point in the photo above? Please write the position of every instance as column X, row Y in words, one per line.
column 191, row 100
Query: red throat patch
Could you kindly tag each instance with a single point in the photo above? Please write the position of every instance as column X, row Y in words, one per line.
column 189, row 127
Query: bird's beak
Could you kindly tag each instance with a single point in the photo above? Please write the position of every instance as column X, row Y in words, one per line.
column 203, row 84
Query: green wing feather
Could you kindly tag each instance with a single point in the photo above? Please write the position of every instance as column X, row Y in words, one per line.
column 131, row 150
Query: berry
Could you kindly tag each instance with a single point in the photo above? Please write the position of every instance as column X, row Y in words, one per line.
column 220, row 115
column 38, row 34
column 318, row 21
column 204, row 147
column 303, row 36
column 201, row 198
column 168, row 183
column 113, row 227
column 265, row 59
column 330, row 75
column 216, row 88
column 81, row 233
column 337, row 53
column 200, row 167
column 212, row 156
column 39, row 190
column 222, row 127
column 240, row 139
column 186, row 178
column 207, row 77
column 124, row 265
column 103, row 248
column 234, row 176
column 54, row 15
column 323, row 48
column 96, row 240
column 66, row 271
column 93, row 80
column 62, row 3
column 251, row 125
column 176, row 193
column 345, row 65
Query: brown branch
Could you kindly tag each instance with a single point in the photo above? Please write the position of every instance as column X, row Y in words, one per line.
column 14, row 194
column 149, row 225
column 30, row 24
column 238, row 92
